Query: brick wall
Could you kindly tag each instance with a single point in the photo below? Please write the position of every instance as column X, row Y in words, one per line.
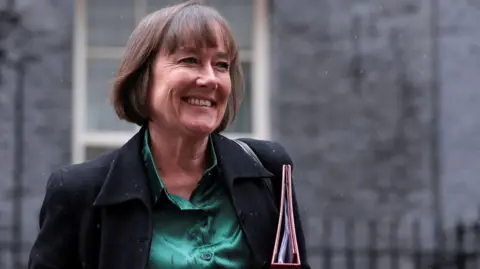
column 360, row 90
column 459, row 72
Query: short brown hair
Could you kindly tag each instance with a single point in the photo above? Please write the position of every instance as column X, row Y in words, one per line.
column 188, row 23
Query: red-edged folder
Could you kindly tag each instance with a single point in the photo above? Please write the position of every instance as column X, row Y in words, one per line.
column 285, row 252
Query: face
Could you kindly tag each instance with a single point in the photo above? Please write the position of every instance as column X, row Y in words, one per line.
column 190, row 89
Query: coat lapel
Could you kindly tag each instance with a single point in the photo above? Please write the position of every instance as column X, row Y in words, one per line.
column 255, row 210
column 124, row 203
column 235, row 162
column 127, row 178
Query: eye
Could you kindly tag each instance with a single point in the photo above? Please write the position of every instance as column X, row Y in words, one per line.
column 223, row 65
column 189, row 60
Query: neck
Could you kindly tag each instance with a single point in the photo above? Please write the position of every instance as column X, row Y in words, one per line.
column 177, row 153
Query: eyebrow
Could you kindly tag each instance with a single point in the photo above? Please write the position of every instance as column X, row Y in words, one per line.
column 223, row 55
column 220, row 54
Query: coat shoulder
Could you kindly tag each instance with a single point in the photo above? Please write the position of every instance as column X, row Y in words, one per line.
column 272, row 154
column 269, row 151
column 82, row 181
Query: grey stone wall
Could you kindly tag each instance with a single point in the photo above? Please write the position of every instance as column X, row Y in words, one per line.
column 459, row 69
column 353, row 102
column 44, row 32
column 376, row 101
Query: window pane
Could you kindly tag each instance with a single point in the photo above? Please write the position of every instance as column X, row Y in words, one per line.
column 243, row 121
column 92, row 152
column 100, row 113
column 239, row 15
column 109, row 22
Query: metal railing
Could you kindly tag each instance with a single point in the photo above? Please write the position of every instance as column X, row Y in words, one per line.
column 383, row 248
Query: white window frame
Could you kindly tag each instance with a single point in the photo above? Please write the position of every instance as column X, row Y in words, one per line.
column 82, row 138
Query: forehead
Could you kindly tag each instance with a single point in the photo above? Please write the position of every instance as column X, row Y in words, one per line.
column 198, row 28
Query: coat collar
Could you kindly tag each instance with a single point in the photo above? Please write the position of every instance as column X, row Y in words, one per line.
column 235, row 163
column 127, row 178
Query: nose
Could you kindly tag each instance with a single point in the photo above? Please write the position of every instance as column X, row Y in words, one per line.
column 207, row 78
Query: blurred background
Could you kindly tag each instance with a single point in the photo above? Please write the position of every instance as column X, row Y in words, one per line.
column 377, row 102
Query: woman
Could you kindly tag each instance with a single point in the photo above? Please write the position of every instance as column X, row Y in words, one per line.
column 178, row 194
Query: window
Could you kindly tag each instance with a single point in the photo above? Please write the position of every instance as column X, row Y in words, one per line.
column 102, row 28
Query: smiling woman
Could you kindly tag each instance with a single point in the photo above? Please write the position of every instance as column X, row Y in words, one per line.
column 198, row 50
column 178, row 194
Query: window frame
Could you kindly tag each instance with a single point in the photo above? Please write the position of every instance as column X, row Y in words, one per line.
column 82, row 138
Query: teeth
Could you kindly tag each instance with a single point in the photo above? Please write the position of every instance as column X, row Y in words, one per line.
column 199, row 102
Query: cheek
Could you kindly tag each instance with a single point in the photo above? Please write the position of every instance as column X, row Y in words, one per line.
column 161, row 91
column 163, row 82
column 159, row 100
column 156, row 97
column 226, row 88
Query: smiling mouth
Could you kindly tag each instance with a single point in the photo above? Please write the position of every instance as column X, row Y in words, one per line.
column 198, row 102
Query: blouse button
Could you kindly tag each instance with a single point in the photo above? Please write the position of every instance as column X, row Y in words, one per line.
column 207, row 255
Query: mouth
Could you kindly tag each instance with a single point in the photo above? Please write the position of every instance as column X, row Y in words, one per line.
column 198, row 102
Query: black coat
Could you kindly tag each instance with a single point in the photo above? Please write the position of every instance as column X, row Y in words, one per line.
column 97, row 215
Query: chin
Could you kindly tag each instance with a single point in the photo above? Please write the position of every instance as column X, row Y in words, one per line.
column 201, row 129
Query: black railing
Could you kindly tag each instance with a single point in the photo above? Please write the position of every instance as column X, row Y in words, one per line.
column 387, row 246
column 379, row 246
